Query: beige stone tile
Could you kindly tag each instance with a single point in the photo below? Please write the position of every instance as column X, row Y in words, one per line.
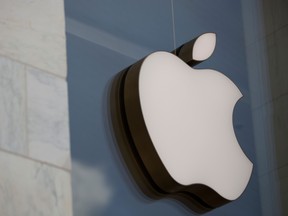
column 275, row 14
column 32, row 188
column 281, row 13
column 277, row 61
column 283, row 177
column 268, row 14
column 48, row 128
column 281, row 40
column 280, row 118
column 33, row 32
column 12, row 106
column 272, row 62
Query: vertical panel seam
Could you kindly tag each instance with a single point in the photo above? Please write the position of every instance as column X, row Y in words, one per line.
column 173, row 25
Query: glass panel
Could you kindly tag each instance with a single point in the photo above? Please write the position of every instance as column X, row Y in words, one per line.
column 105, row 37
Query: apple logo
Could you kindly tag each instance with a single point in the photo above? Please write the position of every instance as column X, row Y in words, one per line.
column 175, row 125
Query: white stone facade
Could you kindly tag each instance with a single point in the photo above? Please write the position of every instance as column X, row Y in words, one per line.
column 35, row 162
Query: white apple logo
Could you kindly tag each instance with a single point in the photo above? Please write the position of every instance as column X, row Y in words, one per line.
column 188, row 117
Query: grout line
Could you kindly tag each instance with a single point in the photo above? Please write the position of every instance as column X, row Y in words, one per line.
column 26, row 110
column 282, row 166
column 271, row 170
column 27, row 149
column 173, row 25
column 265, row 36
column 35, row 160
column 32, row 66
column 278, row 29
column 271, row 101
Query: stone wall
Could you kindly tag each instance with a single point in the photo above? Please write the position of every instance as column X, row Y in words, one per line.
column 34, row 130
column 266, row 28
column 276, row 35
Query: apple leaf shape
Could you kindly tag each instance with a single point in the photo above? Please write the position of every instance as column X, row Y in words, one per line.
column 197, row 50
column 204, row 46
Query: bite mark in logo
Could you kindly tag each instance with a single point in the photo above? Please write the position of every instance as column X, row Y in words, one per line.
column 174, row 126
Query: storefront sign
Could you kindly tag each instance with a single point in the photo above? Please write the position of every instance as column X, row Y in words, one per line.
column 176, row 124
